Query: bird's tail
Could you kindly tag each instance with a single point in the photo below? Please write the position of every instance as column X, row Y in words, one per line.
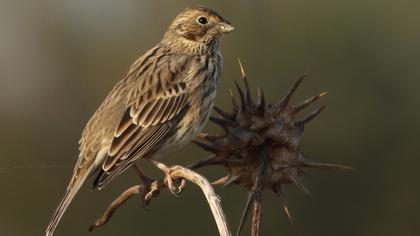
column 72, row 189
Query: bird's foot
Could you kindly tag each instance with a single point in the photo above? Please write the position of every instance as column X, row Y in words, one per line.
column 175, row 190
column 151, row 190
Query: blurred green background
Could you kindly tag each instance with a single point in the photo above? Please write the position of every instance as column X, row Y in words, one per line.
column 59, row 59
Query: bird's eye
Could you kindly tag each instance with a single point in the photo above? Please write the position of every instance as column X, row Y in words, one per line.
column 202, row 20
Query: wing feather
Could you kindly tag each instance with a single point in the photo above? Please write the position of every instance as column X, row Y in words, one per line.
column 154, row 108
column 124, row 124
column 120, row 141
column 160, row 112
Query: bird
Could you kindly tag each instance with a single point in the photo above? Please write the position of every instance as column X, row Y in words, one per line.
column 162, row 103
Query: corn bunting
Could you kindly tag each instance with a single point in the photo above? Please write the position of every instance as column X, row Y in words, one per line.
column 162, row 102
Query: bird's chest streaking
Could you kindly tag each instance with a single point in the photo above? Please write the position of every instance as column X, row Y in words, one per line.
column 203, row 86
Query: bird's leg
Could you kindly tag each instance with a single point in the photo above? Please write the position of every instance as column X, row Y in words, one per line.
column 144, row 179
column 149, row 190
column 167, row 171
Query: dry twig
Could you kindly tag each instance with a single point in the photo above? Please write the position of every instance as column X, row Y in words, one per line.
column 177, row 172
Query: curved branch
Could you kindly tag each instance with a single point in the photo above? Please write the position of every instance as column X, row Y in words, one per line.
column 116, row 204
column 176, row 172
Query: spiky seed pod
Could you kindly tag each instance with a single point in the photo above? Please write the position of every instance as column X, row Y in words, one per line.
column 259, row 145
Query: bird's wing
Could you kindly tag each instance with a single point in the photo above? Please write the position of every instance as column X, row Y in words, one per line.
column 154, row 107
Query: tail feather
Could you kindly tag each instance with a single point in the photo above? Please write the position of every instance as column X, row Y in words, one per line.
column 72, row 189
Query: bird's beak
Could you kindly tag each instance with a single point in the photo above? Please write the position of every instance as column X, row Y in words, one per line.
column 225, row 27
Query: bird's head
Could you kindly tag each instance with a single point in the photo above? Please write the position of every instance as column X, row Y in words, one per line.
column 199, row 24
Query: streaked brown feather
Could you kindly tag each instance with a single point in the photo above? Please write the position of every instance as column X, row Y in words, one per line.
column 149, row 117
column 121, row 140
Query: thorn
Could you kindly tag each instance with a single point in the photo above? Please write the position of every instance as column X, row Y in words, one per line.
column 327, row 166
column 222, row 112
column 205, row 146
column 230, row 180
column 311, row 116
column 208, row 137
column 298, row 183
column 234, row 104
column 221, row 122
column 221, row 181
column 261, row 102
column 280, row 192
column 289, row 215
column 307, row 102
column 242, row 68
column 283, row 103
column 202, row 135
column 226, row 180
column 241, row 95
column 248, row 98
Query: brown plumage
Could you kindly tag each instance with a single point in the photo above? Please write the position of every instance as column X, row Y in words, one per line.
column 162, row 103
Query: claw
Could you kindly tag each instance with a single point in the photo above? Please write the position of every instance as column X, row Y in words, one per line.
column 168, row 178
column 153, row 192
column 181, row 186
column 171, row 186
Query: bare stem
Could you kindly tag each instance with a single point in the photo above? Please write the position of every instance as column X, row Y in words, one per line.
column 212, row 198
column 256, row 215
column 176, row 172
column 115, row 205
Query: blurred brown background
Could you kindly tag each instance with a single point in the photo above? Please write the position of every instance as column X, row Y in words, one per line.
column 59, row 59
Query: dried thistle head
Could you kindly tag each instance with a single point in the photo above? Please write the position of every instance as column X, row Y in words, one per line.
column 259, row 146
